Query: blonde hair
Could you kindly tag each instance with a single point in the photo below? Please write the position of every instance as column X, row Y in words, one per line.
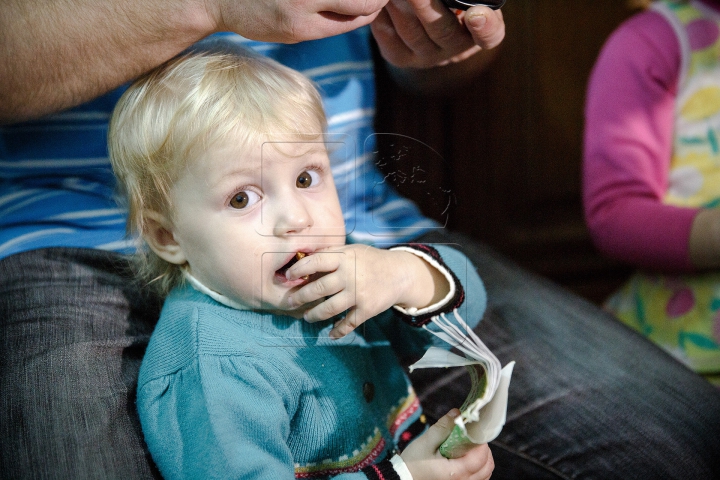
column 183, row 107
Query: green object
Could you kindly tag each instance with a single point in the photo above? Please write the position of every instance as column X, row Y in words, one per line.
column 456, row 444
column 458, row 441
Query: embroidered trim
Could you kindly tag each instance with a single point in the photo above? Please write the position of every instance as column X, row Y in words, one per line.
column 361, row 459
column 408, row 406
column 406, row 421
column 413, row 431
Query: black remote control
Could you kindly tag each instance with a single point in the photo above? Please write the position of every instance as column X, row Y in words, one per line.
column 465, row 4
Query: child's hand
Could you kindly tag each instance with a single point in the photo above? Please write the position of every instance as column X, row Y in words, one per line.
column 425, row 462
column 365, row 281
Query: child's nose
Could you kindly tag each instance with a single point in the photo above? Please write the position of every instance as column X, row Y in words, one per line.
column 293, row 217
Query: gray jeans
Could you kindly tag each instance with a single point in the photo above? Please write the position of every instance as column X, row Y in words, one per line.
column 588, row 399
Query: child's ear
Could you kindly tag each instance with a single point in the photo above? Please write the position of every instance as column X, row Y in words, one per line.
column 159, row 236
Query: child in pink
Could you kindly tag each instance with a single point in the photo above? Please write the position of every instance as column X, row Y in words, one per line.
column 652, row 174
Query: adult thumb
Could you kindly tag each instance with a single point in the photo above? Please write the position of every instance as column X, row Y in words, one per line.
column 486, row 26
column 440, row 431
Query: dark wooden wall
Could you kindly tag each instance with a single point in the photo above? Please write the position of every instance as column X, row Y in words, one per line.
column 500, row 159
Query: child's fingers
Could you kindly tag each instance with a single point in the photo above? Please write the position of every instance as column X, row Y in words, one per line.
column 334, row 305
column 461, row 450
column 477, row 462
column 322, row 287
column 440, row 431
column 487, row 469
column 422, row 455
column 316, row 263
column 351, row 321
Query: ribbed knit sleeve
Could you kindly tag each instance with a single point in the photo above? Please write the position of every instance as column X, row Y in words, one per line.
column 381, row 471
column 467, row 295
column 470, row 301
column 454, row 298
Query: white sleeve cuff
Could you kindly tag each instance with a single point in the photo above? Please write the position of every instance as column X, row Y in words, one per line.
column 412, row 311
column 400, row 468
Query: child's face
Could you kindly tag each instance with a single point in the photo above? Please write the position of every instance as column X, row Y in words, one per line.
column 242, row 213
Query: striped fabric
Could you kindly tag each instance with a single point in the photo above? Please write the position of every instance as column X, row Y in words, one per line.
column 57, row 188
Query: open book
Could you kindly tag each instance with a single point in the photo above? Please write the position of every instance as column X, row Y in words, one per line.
column 485, row 408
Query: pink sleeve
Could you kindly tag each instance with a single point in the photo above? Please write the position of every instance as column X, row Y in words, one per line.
column 629, row 118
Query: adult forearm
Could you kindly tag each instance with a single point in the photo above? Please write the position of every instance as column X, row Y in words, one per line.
column 58, row 53
column 705, row 239
column 55, row 54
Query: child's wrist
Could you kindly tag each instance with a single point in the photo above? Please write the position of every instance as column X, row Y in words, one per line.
column 416, row 284
column 440, row 284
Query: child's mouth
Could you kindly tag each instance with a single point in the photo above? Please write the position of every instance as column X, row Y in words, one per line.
column 293, row 260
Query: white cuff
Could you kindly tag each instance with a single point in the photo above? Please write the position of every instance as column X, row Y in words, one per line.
column 412, row 311
column 400, row 468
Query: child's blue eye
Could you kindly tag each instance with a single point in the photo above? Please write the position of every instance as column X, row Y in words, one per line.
column 244, row 199
column 307, row 178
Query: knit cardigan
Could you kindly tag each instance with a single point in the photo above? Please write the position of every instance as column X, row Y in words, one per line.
column 233, row 394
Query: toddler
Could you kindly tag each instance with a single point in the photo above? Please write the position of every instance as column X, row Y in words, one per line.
column 652, row 174
column 276, row 354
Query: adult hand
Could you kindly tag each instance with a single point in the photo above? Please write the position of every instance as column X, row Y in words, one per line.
column 293, row 21
column 425, row 33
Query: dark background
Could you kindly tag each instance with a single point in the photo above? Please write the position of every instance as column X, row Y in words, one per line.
column 500, row 159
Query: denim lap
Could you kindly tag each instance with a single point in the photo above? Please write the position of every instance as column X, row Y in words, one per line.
column 588, row 399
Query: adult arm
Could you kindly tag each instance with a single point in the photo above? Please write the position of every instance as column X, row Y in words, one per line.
column 55, row 54
column 427, row 48
column 629, row 121
column 705, row 239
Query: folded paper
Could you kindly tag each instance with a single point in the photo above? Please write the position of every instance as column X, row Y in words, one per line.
column 484, row 411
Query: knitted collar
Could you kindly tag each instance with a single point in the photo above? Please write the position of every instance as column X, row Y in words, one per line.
column 200, row 287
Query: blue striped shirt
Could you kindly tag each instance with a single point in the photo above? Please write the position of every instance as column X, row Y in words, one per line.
column 57, row 188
